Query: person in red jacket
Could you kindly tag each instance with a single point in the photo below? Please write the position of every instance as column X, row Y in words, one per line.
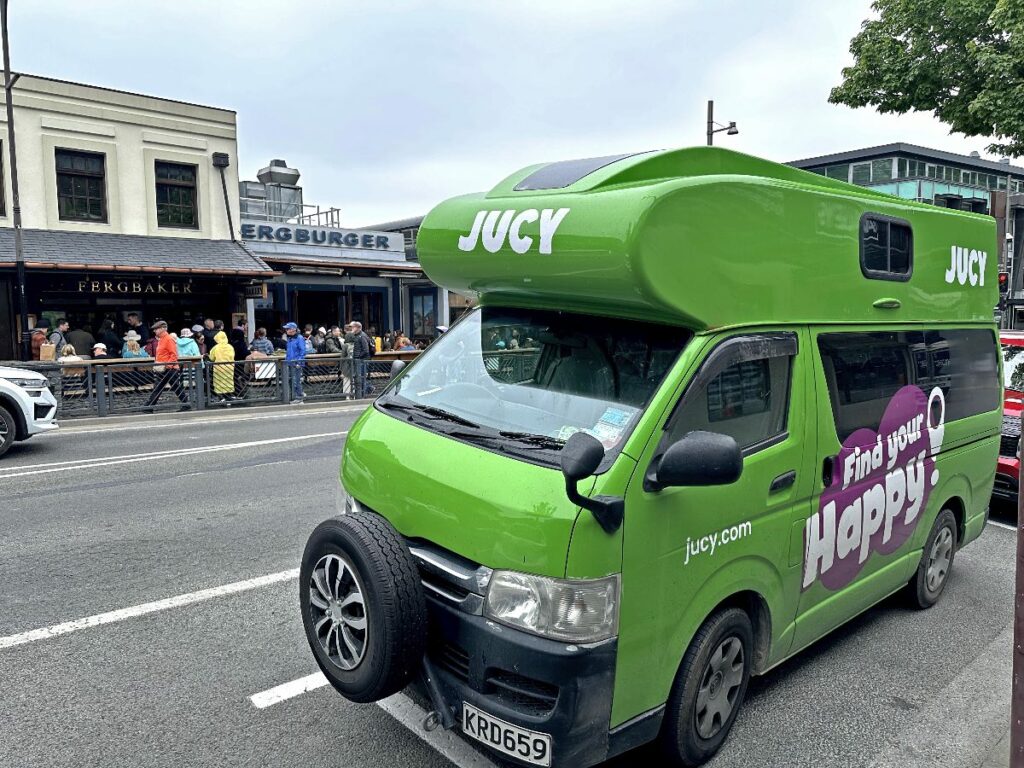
column 167, row 367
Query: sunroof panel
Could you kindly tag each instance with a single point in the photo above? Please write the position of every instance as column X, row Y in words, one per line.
column 562, row 174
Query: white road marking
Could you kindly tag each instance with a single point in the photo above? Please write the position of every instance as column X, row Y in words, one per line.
column 135, row 611
column 191, row 422
column 399, row 706
column 42, row 469
column 287, row 691
column 998, row 524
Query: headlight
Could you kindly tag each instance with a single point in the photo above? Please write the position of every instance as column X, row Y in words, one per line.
column 573, row 610
column 28, row 383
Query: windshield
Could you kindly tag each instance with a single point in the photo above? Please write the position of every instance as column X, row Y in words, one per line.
column 1013, row 367
column 526, row 377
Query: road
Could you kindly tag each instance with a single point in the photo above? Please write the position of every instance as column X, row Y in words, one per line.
column 216, row 508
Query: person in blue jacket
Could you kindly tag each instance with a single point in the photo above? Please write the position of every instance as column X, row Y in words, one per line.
column 295, row 359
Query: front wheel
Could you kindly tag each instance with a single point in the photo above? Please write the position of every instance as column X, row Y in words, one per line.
column 8, row 430
column 709, row 689
column 362, row 606
column 932, row 573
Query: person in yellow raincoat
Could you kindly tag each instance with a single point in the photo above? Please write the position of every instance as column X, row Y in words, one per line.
column 223, row 375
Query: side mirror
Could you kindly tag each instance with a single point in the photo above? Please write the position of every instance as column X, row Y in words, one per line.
column 396, row 368
column 581, row 456
column 700, row 458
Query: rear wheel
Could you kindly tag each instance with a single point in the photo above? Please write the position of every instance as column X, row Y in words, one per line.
column 929, row 581
column 362, row 606
column 709, row 689
column 8, row 430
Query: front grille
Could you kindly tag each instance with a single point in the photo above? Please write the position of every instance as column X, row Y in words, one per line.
column 522, row 693
column 452, row 658
column 1010, row 436
column 42, row 411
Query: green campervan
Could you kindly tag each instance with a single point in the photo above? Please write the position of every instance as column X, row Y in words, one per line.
column 708, row 409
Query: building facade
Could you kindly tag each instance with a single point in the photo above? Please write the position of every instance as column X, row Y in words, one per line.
column 964, row 182
column 128, row 203
column 328, row 274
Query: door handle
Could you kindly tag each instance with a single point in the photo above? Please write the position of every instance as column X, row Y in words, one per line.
column 784, row 480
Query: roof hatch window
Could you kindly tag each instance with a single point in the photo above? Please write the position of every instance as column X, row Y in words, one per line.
column 562, row 174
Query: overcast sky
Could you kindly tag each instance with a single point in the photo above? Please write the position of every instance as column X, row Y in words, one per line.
column 388, row 108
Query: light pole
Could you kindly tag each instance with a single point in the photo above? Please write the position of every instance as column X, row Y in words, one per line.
column 19, row 253
column 730, row 129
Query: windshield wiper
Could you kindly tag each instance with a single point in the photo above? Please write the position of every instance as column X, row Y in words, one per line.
column 542, row 441
column 429, row 410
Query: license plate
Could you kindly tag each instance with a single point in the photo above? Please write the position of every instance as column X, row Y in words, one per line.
column 529, row 746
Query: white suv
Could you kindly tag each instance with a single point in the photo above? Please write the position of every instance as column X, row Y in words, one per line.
column 27, row 407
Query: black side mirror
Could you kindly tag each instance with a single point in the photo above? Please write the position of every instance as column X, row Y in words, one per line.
column 581, row 456
column 700, row 458
column 396, row 368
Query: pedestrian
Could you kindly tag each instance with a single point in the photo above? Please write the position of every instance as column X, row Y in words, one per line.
column 334, row 344
column 197, row 337
column 39, row 334
column 109, row 337
column 68, row 354
column 319, row 338
column 150, row 345
column 131, row 348
column 99, row 351
column 81, row 338
column 295, row 359
column 209, row 334
column 187, row 346
column 59, row 337
column 222, row 355
column 261, row 343
column 166, row 367
column 280, row 341
column 237, row 341
column 361, row 356
column 135, row 324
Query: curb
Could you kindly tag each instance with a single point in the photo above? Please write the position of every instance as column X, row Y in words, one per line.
column 129, row 418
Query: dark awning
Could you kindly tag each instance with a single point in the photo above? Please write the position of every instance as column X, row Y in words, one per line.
column 45, row 249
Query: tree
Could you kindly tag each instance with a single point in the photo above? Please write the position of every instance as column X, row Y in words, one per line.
column 962, row 60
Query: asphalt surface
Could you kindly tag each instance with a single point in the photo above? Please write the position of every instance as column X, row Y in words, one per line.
column 100, row 517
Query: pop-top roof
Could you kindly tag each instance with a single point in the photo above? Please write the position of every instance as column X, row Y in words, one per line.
column 703, row 238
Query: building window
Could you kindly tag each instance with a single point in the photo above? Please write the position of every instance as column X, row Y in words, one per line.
column 881, row 170
column 861, row 173
column 176, row 195
column 424, row 311
column 840, row 172
column 81, row 185
column 3, row 194
column 886, row 248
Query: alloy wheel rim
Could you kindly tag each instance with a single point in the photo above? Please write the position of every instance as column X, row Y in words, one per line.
column 938, row 560
column 719, row 687
column 338, row 610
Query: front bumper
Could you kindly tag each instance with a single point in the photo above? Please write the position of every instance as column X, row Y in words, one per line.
column 543, row 685
column 1007, row 478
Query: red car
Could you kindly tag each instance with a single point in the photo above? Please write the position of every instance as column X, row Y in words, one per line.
column 1008, row 471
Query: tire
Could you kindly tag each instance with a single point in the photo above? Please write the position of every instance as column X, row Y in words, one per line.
column 925, row 589
column 8, row 430
column 362, row 606
column 687, row 737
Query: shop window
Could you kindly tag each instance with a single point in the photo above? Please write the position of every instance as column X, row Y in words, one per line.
column 886, row 248
column 424, row 311
column 81, row 185
column 864, row 370
column 176, row 195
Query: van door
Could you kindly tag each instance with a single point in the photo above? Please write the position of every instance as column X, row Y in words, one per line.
column 685, row 550
column 854, row 529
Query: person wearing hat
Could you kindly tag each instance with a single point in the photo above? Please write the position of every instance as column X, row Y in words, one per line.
column 167, row 367
column 198, row 338
column 131, row 346
column 187, row 346
column 295, row 359
column 99, row 351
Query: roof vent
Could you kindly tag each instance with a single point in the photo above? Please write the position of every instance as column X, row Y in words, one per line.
column 976, row 154
column 1004, row 160
column 278, row 172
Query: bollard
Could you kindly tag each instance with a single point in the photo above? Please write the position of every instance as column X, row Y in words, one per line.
column 102, row 406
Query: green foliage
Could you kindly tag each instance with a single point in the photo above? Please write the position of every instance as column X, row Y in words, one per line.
column 963, row 60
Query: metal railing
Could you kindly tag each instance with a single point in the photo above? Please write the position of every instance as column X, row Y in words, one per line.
column 287, row 212
column 123, row 386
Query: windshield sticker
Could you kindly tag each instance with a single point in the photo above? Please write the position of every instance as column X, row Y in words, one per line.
column 491, row 228
column 880, row 486
column 708, row 544
column 616, row 417
column 606, row 433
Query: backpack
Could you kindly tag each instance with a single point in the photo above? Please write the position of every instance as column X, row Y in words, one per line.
column 371, row 345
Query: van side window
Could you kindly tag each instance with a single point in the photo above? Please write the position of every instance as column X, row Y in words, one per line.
column 864, row 370
column 748, row 401
column 886, row 248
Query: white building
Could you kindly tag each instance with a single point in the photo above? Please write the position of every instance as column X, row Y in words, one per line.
column 129, row 204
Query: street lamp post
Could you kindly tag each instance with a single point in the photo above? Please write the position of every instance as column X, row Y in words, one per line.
column 730, row 129
column 19, row 253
